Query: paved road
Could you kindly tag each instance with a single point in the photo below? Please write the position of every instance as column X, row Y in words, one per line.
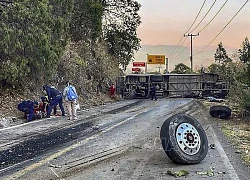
column 125, row 144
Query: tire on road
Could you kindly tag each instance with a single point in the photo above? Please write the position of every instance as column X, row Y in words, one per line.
column 183, row 139
column 222, row 112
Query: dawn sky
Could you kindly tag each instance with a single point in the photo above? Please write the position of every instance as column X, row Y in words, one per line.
column 165, row 21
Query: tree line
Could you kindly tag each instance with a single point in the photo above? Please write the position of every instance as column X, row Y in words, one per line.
column 47, row 40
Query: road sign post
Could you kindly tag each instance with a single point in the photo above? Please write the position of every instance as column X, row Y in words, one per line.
column 167, row 65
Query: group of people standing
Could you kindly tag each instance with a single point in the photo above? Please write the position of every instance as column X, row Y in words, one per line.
column 57, row 98
column 53, row 97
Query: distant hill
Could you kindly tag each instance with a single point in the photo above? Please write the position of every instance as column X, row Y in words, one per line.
column 181, row 55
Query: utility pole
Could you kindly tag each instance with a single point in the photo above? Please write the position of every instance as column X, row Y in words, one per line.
column 166, row 65
column 191, row 56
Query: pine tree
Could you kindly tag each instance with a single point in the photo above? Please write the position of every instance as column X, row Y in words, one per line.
column 244, row 53
column 220, row 55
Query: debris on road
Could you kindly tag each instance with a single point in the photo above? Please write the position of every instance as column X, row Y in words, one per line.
column 238, row 152
column 212, row 146
column 54, row 166
column 222, row 112
column 178, row 173
column 213, row 99
column 209, row 173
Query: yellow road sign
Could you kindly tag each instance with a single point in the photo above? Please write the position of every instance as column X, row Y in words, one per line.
column 156, row 59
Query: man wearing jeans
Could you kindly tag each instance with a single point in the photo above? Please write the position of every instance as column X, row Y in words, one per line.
column 70, row 105
column 54, row 98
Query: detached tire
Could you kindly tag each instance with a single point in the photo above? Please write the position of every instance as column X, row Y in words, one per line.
column 222, row 112
column 183, row 139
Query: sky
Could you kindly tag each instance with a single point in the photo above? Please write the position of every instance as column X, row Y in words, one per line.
column 164, row 22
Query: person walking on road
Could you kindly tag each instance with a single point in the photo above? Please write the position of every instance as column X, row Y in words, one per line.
column 70, row 103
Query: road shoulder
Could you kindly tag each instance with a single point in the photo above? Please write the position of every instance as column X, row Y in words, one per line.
column 242, row 170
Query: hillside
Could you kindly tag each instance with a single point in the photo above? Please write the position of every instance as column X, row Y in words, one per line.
column 67, row 40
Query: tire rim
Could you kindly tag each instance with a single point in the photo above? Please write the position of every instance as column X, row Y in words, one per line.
column 188, row 138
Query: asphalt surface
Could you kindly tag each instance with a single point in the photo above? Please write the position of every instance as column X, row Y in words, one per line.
column 116, row 141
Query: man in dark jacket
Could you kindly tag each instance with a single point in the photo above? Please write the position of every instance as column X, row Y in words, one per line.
column 55, row 98
column 153, row 92
column 30, row 109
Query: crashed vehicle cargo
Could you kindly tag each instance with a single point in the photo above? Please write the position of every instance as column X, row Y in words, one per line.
column 172, row 85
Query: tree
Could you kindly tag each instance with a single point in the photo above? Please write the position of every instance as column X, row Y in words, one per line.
column 121, row 20
column 181, row 69
column 244, row 53
column 165, row 71
column 86, row 21
column 221, row 55
column 214, row 68
column 33, row 35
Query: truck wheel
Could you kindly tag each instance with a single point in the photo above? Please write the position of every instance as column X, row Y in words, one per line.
column 222, row 112
column 183, row 139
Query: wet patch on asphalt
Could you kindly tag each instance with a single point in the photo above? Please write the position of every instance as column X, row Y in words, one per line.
column 39, row 144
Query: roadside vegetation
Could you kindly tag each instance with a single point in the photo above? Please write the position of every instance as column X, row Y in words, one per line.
column 235, row 69
column 52, row 41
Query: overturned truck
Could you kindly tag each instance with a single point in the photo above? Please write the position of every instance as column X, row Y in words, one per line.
column 172, row 85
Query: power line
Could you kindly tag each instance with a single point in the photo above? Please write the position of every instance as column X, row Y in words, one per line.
column 223, row 27
column 181, row 51
column 196, row 16
column 214, row 16
column 204, row 16
column 204, row 26
column 178, row 45
column 196, row 26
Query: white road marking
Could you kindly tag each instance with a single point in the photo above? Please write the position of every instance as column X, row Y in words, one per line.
column 230, row 169
column 34, row 166
column 223, row 155
column 54, row 172
column 5, row 169
column 22, row 172
column 24, row 124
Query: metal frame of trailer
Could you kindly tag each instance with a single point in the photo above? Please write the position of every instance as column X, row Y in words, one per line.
column 172, row 85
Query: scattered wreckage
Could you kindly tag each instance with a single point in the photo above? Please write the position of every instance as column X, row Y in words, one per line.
column 219, row 111
column 182, row 136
